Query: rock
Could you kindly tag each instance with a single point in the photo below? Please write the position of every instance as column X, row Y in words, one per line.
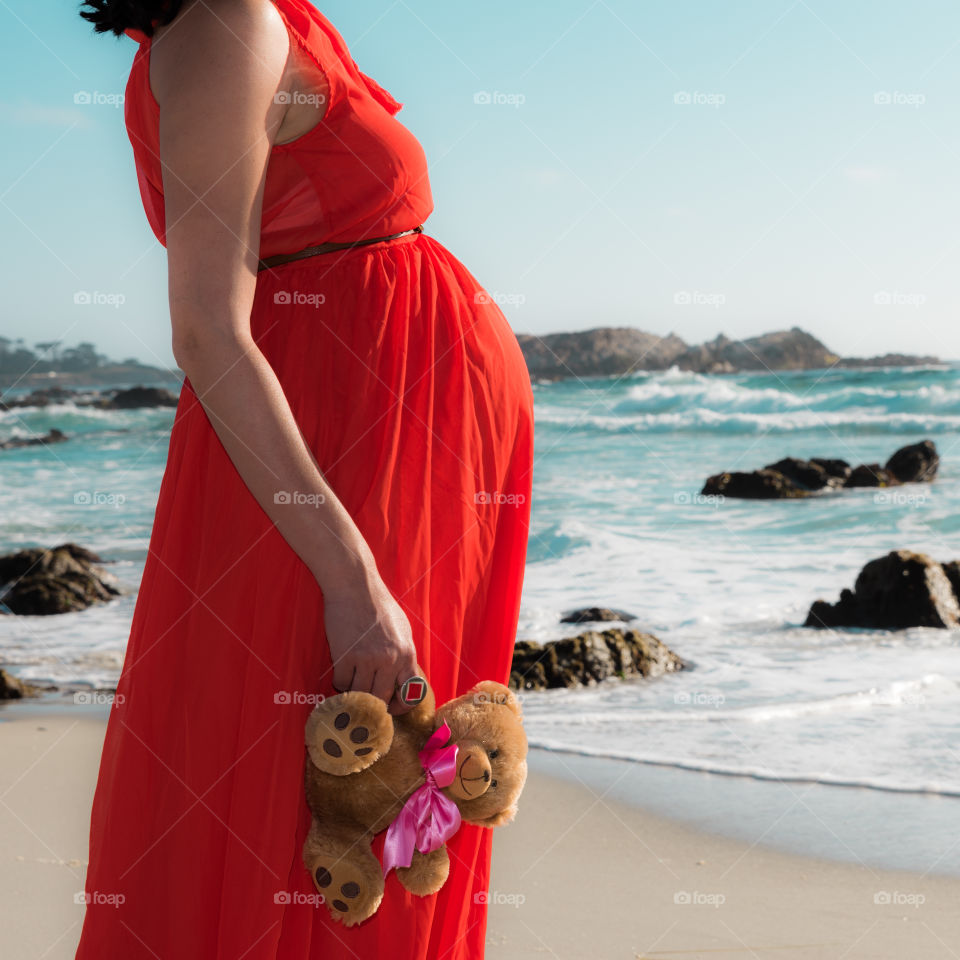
column 13, row 688
column 758, row 485
column 615, row 351
column 917, row 463
column 596, row 615
column 54, row 436
column 792, row 477
column 590, row 658
column 141, row 397
column 871, row 475
column 901, row 590
column 39, row 582
column 835, row 468
column 806, row 474
column 604, row 351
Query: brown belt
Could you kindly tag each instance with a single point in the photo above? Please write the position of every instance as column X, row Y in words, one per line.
column 329, row 248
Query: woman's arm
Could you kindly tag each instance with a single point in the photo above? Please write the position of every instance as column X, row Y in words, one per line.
column 215, row 72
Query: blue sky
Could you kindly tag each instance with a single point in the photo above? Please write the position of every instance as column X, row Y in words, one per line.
column 687, row 167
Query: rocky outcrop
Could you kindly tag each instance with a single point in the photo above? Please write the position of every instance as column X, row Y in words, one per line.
column 597, row 615
column 615, row 351
column 14, row 443
column 590, row 658
column 790, row 477
column 901, row 590
column 39, row 582
column 13, row 688
column 137, row 397
column 603, row 352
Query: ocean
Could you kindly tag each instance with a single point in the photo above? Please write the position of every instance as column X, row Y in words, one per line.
column 618, row 521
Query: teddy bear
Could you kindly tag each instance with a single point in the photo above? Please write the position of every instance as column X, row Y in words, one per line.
column 417, row 775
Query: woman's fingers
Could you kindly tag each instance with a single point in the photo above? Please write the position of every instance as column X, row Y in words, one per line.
column 385, row 684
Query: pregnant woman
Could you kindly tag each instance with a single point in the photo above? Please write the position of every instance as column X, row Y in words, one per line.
column 346, row 493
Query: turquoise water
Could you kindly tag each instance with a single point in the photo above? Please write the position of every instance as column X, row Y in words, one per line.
column 617, row 521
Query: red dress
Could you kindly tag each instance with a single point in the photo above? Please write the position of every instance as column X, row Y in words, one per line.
column 412, row 393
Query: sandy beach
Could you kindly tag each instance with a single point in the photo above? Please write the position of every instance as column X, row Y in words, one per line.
column 578, row 875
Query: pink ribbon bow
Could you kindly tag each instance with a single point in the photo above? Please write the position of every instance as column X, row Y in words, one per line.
column 429, row 818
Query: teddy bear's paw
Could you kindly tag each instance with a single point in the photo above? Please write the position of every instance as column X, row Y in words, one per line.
column 351, row 893
column 427, row 873
column 349, row 732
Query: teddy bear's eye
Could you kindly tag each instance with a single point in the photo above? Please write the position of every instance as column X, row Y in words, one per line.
column 493, row 784
column 493, row 754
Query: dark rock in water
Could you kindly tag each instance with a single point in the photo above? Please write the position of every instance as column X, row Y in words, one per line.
column 596, row 615
column 13, row 688
column 758, row 485
column 902, row 589
column 791, row 477
column 54, row 436
column 917, row 463
column 835, row 468
column 807, row 474
column 871, row 475
column 589, row 658
column 952, row 569
column 141, row 397
column 60, row 580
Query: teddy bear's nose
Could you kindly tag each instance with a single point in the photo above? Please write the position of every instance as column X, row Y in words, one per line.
column 486, row 776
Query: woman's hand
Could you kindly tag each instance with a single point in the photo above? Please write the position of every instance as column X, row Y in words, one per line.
column 370, row 640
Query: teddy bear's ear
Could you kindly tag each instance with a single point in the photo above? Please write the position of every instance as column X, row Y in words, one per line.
column 488, row 691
